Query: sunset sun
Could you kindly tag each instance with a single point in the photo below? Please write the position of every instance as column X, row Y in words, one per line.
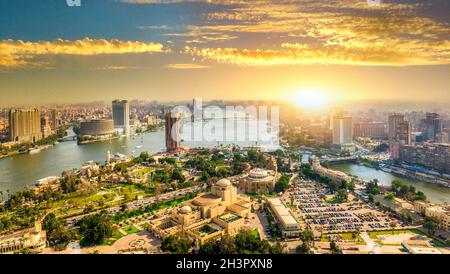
column 310, row 99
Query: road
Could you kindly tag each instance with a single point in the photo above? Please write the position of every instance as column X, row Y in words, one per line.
column 142, row 202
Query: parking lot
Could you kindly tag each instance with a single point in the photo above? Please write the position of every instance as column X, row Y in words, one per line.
column 311, row 203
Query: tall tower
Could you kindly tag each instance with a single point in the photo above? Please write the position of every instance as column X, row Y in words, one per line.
column 172, row 131
column 431, row 126
column 25, row 125
column 197, row 111
column 54, row 120
column 393, row 121
column 121, row 116
column 342, row 130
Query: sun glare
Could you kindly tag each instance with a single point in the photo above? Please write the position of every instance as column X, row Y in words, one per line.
column 311, row 99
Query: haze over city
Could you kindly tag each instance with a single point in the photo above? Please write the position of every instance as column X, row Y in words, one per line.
column 216, row 127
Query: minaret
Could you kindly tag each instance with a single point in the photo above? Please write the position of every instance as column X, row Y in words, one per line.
column 108, row 157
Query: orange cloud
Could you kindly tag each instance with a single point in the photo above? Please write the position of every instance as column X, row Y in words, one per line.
column 21, row 53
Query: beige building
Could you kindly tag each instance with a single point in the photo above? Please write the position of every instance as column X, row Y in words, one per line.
column 334, row 174
column 290, row 227
column 342, row 130
column 258, row 181
column 46, row 127
column 25, row 125
column 440, row 215
column 209, row 216
column 33, row 239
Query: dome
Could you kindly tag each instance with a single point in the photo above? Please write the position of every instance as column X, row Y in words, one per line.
column 223, row 183
column 258, row 173
column 185, row 210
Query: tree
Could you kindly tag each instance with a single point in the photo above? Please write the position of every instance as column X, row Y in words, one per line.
column 341, row 195
column 303, row 248
column 58, row 236
column 334, row 248
column 370, row 198
column 177, row 245
column 95, row 228
column 372, row 187
column 70, row 182
column 389, row 197
column 282, row 184
column 177, row 175
column 431, row 226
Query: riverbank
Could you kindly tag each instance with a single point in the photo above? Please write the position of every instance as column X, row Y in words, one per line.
column 434, row 192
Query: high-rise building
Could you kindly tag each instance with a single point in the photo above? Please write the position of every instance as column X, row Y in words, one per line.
column 342, row 130
column 197, row 112
column 403, row 132
column 121, row 116
column 431, row 126
column 435, row 156
column 45, row 127
column 370, row 129
column 25, row 125
column 172, row 131
column 393, row 121
column 54, row 120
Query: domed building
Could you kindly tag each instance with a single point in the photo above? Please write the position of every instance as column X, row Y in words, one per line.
column 258, row 181
column 206, row 217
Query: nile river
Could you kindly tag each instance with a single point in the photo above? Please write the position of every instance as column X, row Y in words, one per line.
column 21, row 171
column 435, row 194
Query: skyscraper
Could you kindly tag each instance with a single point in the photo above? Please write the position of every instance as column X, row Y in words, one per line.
column 172, row 131
column 431, row 126
column 45, row 127
column 403, row 132
column 121, row 116
column 25, row 125
column 342, row 130
column 54, row 120
column 399, row 134
column 197, row 112
column 393, row 121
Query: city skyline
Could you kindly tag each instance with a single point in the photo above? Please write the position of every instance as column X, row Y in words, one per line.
column 174, row 50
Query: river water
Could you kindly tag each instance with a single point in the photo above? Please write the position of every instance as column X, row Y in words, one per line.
column 21, row 171
column 435, row 193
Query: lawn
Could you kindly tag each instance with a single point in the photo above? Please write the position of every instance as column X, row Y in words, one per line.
column 130, row 229
column 255, row 233
column 374, row 234
column 114, row 237
column 348, row 237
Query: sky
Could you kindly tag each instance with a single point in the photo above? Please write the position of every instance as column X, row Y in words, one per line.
column 174, row 50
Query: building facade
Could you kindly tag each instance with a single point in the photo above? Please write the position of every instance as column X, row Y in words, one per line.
column 258, row 181
column 207, row 217
column 25, row 125
column 97, row 128
column 375, row 130
column 33, row 239
column 121, row 116
column 342, row 130
column 435, row 156
column 172, row 136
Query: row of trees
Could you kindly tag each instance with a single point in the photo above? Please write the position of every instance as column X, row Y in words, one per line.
column 246, row 242
column 407, row 192
column 333, row 185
